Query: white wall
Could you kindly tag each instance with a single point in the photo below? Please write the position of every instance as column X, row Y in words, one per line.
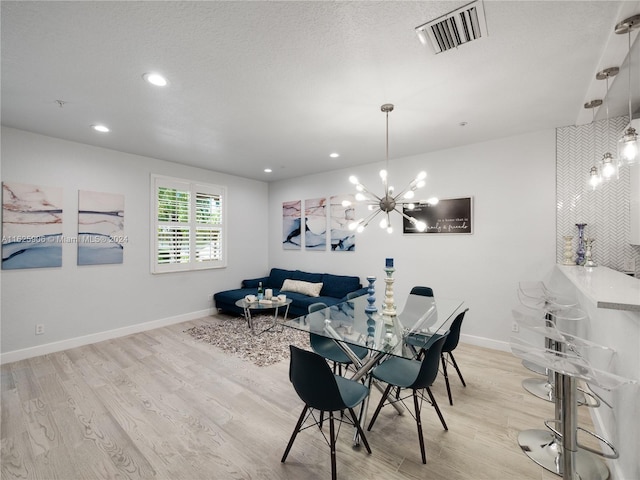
column 79, row 304
column 512, row 182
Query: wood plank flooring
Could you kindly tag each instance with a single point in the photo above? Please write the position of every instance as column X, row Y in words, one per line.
column 159, row 405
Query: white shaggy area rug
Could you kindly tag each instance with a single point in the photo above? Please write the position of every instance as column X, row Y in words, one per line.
column 232, row 335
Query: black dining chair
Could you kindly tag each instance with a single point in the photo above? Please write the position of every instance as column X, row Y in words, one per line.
column 327, row 347
column 417, row 304
column 415, row 375
column 447, row 352
column 322, row 390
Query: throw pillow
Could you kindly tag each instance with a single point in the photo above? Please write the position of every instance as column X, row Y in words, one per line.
column 300, row 286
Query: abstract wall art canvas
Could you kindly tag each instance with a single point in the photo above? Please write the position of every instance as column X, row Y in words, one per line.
column 101, row 236
column 31, row 226
column 342, row 213
column 291, row 225
column 315, row 224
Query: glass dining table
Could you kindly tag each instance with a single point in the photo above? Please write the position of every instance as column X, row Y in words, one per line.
column 349, row 323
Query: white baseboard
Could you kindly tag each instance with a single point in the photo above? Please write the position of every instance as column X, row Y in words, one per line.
column 485, row 342
column 15, row 355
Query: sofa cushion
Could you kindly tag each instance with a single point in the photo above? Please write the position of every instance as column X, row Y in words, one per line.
column 300, row 286
column 306, row 276
column 339, row 285
column 277, row 276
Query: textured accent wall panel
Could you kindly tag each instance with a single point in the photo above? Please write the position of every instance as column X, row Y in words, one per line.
column 606, row 210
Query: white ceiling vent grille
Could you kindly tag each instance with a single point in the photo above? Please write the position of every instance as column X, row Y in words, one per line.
column 455, row 28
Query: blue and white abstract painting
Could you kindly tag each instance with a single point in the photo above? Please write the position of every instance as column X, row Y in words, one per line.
column 291, row 225
column 31, row 226
column 101, row 235
column 342, row 213
column 315, row 224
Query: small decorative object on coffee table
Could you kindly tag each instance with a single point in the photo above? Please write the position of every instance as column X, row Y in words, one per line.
column 389, row 304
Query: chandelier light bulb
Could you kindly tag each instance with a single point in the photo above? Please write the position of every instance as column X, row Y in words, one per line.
column 422, row 175
column 421, row 226
column 410, row 206
column 383, row 223
column 347, row 203
column 383, row 174
column 360, row 197
column 389, row 229
column 433, row 201
column 353, row 179
column 409, row 195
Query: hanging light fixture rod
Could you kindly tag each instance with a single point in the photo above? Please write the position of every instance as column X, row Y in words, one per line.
column 628, row 144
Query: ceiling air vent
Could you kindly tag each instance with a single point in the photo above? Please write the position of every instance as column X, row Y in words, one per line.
column 455, row 28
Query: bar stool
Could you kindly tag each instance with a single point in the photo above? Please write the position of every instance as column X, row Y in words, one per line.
column 557, row 449
column 551, row 308
column 536, row 295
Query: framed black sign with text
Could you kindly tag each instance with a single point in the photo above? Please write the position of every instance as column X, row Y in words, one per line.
column 449, row 215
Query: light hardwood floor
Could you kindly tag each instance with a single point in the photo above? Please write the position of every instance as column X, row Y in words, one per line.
column 159, row 405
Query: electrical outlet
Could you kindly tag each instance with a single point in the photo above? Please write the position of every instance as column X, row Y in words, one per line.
column 39, row 328
column 515, row 328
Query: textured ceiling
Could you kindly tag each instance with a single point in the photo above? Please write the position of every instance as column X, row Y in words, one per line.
column 283, row 84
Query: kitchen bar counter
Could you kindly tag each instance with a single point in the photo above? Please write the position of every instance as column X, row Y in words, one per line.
column 605, row 287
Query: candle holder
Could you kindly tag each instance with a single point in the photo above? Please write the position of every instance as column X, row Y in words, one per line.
column 580, row 252
column 588, row 256
column 389, row 308
column 568, row 250
column 371, row 299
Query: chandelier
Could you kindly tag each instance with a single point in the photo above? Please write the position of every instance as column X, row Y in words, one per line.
column 389, row 201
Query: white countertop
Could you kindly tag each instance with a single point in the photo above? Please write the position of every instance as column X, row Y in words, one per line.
column 607, row 288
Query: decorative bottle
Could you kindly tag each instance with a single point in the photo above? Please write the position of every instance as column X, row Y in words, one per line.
column 260, row 291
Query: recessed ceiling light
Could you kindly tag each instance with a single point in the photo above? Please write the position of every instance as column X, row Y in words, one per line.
column 267, row 170
column 334, row 155
column 100, row 128
column 155, row 79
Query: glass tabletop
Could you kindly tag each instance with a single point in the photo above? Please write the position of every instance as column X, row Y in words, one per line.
column 350, row 323
column 262, row 304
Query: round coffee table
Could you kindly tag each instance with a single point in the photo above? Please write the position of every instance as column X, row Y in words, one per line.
column 249, row 307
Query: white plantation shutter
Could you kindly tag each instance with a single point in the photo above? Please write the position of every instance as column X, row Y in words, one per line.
column 189, row 225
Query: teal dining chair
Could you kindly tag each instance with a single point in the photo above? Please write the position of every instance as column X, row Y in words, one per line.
column 415, row 375
column 325, row 392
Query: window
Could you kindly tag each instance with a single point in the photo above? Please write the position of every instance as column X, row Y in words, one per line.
column 189, row 225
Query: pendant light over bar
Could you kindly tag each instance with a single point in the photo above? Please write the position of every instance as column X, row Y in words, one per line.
column 628, row 148
column 608, row 165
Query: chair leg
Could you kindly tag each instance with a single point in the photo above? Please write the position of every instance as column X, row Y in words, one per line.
column 332, row 445
column 379, row 407
column 453, row 360
column 435, row 405
column 295, row 433
column 416, row 405
column 354, row 417
column 446, row 377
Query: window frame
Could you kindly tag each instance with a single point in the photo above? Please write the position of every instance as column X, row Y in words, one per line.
column 193, row 188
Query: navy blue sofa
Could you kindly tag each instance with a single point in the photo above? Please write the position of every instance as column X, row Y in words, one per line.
column 334, row 290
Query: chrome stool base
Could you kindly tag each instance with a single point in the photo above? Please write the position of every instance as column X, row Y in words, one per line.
column 542, row 447
column 532, row 367
column 541, row 388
